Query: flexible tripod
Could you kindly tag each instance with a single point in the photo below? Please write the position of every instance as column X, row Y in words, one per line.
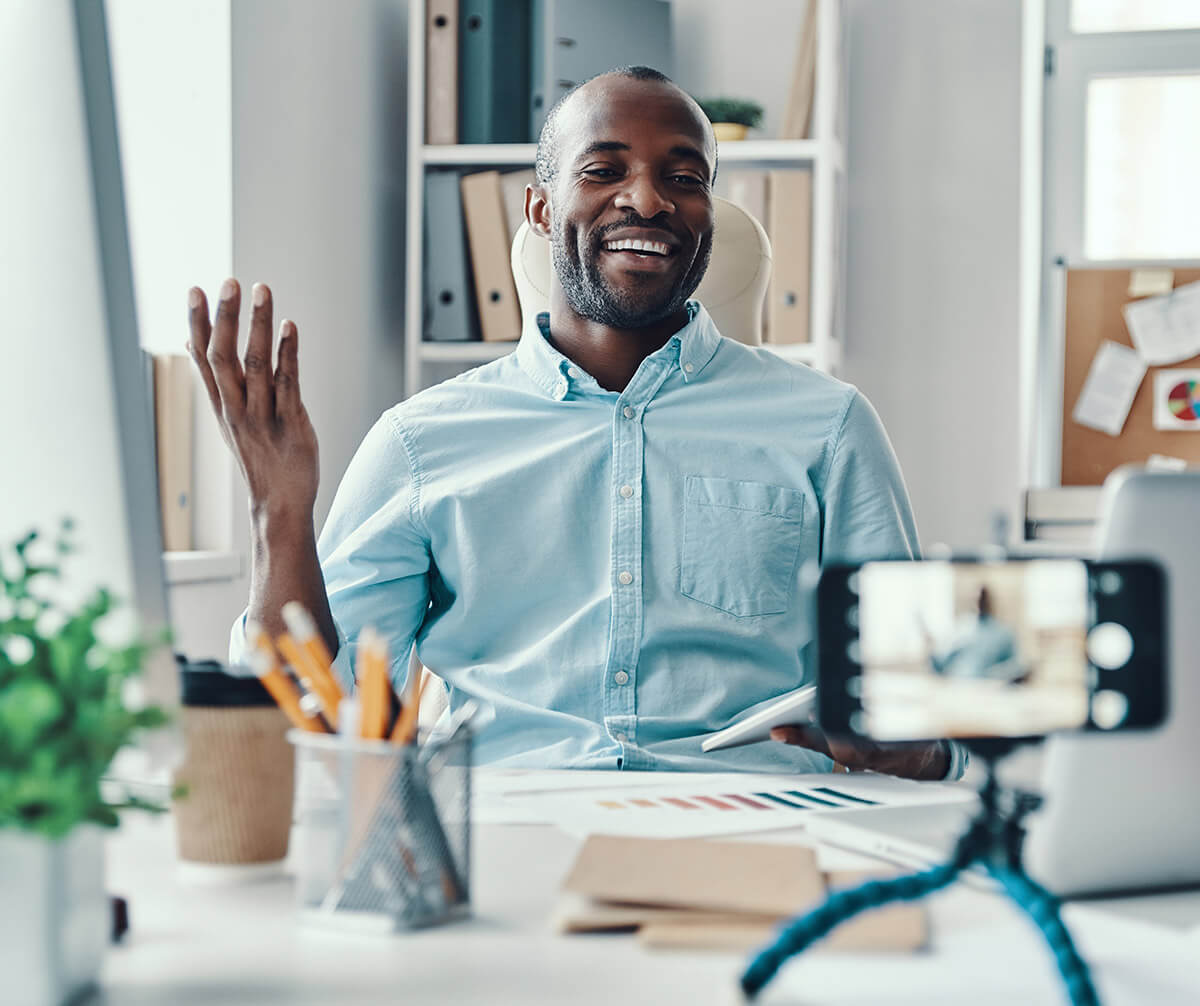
column 993, row 840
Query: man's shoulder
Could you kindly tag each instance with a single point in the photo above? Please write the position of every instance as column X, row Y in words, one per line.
column 769, row 371
column 468, row 389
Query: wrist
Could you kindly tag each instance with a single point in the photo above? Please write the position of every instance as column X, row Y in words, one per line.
column 272, row 524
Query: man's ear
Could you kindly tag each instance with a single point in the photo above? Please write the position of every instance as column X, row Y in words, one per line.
column 537, row 209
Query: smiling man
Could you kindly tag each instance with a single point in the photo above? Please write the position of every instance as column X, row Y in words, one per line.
column 599, row 536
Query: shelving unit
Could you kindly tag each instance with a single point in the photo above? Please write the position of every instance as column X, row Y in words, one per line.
column 823, row 155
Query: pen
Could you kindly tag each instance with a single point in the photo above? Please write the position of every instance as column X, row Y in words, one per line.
column 303, row 630
column 262, row 660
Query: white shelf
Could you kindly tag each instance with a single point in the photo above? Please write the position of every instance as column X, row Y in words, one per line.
column 464, row 352
column 744, row 153
column 193, row 567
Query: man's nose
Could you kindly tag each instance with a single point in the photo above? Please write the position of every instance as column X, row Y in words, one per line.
column 642, row 193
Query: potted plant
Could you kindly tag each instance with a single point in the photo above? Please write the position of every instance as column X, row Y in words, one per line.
column 65, row 711
column 732, row 118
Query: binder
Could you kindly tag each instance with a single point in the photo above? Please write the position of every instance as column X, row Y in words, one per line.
column 797, row 116
column 512, row 188
column 789, row 226
column 173, row 445
column 487, row 237
column 577, row 39
column 448, row 314
column 494, row 83
column 441, row 71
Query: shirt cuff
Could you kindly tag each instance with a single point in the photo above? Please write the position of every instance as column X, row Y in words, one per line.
column 958, row 761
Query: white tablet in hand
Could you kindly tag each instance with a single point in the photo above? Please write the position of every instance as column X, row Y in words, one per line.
column 795, row 707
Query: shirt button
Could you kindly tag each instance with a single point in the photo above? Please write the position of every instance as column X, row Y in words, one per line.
column 626, row 491
column 573, row 374
column 627, row 412
column 626, row 577
column 621, row 678
column 688, row 367
column 622, row 738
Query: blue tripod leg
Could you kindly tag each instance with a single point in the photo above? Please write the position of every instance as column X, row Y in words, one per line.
column 1043, row 908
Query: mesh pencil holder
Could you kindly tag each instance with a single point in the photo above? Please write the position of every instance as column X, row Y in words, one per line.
column 382, row 831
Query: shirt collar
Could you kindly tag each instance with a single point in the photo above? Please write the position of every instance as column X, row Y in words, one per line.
column 690, row 349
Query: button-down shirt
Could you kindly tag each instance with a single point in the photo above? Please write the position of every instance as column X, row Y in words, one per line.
column 612, row 576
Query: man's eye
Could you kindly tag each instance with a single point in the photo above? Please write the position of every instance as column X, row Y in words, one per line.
column 600, row 173
column 687, row 179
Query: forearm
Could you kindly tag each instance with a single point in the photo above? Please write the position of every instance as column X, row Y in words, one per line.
column 284, row 567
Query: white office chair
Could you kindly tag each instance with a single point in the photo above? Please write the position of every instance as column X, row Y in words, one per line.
column 732, row 291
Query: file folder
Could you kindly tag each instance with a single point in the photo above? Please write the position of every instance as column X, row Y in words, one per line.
column 574, row 40
column 494, row 83
column 789, row 226
column 512, row 188
column 449, row 316
column 487, row 237
column 797, row 116
column 441, row 71
column 173, row 446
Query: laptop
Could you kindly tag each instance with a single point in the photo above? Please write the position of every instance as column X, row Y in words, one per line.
column 1121, row 811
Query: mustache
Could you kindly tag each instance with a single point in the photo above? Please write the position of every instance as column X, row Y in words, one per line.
column 660, row 222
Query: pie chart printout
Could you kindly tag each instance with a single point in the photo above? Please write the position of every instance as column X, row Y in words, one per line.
column 1184, row 401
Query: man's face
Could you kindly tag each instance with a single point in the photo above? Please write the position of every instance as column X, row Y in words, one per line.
column 631, row 209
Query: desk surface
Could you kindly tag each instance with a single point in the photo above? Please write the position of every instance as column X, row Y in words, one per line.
column 242, row 945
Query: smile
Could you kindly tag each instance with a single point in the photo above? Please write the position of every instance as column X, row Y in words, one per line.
column 638, row 247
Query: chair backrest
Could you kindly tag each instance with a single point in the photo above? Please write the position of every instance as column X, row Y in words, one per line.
column 732, row 290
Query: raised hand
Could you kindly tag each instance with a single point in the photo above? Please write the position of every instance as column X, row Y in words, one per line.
column 259, row 410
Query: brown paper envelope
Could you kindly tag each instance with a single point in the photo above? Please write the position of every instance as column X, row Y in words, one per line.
column 578, row 914
column 684, row 873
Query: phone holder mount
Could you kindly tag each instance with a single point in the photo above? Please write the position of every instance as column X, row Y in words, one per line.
column 993, row 840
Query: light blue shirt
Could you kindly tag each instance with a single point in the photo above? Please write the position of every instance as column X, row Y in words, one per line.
column 612, row 576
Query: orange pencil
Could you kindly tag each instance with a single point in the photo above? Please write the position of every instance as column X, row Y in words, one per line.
column 406, row 723
column 262, row 660
column 373, row 684
column 320, row 685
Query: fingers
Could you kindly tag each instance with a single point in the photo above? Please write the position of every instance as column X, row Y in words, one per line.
column 287, row 373
column 260, row 391
column 222, row 353
column 802, row 736
column 197, row 346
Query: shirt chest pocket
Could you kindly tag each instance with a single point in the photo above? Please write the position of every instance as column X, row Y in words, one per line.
column 741, row 544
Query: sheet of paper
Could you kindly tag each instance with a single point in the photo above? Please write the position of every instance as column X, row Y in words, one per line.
column 1109, row 388
column 699, row 805
column 1165, row 463
column 1166, row 329
column 1150, row 282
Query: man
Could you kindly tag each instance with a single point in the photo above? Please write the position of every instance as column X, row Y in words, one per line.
column 599, row 536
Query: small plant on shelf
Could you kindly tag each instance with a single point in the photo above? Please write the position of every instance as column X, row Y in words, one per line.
column 732, row 118
column 65, row 702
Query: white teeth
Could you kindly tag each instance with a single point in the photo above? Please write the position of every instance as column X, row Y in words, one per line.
column 631, row 244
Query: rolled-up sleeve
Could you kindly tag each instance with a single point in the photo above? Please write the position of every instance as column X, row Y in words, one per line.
column 374, row 552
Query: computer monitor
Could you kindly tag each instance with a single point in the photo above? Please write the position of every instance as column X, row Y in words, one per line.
column 76, row 435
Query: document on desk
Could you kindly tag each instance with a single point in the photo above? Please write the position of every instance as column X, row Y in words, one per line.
column 1109, row 389
column 696, row 805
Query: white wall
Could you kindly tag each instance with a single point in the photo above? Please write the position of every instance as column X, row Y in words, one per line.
column 933, row 273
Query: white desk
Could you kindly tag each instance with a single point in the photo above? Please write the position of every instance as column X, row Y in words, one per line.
column 245, row 945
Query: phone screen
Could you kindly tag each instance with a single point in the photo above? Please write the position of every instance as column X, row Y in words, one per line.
column 911, row 650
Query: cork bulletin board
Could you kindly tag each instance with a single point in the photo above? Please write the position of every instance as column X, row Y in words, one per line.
column 1094, row 299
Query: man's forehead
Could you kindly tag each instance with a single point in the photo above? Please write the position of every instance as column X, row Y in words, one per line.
column 619, row 110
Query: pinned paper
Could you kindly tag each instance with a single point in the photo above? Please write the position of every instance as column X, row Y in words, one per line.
column 1108, row 391
column 1166, row 329
column 1150, row 282
column 1177, row 400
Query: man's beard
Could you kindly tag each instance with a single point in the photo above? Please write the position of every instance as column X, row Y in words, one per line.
column 591, row 296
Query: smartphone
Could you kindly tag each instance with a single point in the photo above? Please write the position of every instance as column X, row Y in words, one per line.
column 969, row 647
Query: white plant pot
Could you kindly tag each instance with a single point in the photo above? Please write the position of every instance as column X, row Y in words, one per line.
column 55, row 921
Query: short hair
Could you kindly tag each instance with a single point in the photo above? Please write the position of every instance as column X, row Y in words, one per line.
column 550, row 140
